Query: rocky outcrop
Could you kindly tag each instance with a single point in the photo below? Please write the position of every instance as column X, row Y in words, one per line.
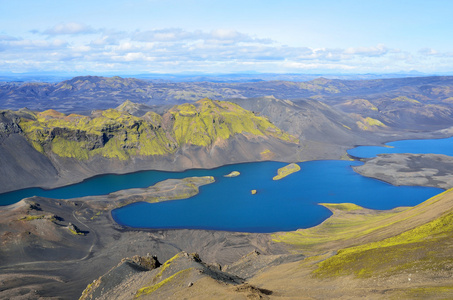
column 127, row 268
column 185, row 276
column 9, row 124
column 182, row 276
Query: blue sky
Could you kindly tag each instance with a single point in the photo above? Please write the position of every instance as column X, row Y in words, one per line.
column 201, row 36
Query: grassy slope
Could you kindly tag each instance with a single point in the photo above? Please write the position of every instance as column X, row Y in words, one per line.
column 117, row 134
column 348, row 221
column 405, row 252
column 206, row 121
column 352, row 225
column 425, row 247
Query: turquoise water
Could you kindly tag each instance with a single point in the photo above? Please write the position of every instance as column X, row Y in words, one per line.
column 104, row 184
column 437, row 146
column 283, row 205
column 227, row 204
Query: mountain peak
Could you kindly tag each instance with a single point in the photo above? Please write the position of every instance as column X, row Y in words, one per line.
column 127, row 105
column 321, row 80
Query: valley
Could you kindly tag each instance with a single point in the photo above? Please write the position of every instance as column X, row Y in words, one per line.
column 84, row 127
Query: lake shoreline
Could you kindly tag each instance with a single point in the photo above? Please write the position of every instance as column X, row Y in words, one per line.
column 166, row 164
column 103, row 244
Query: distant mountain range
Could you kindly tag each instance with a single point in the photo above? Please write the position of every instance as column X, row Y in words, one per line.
column 232, row 77
column 83, row 94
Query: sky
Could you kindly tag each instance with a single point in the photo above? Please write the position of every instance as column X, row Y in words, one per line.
column 89, row 37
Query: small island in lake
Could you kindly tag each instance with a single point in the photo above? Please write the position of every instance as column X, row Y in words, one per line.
column 233, row 174
column 286, row 170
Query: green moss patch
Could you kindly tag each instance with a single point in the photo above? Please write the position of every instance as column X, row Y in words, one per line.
column 342, row 206
column 286, row 170
column 406, row 99
column 30, row 218
column 150, row 289
column 110, row 133
column 117, row 134
column 429, row 292
column 167, row 264
column 51, row 218
column 233, row 174
column 348, row 221
column 206, row 121
column 426, row 247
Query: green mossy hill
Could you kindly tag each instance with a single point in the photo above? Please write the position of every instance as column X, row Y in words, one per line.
column 321, row 85
column 424, row 248
column 128, row 106
column 114, row 133
column 349, row 221
column 286, row 170
column 110, row 133
column 208, row 121
column 368, row 123
column 406, row 99
column 361, row 104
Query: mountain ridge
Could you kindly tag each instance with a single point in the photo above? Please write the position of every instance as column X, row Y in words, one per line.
column 94, row 92
column 73, row 147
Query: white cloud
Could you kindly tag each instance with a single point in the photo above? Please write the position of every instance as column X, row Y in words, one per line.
column 430, row 52
column 165, row 35
column 225, row 34
column 134, row 56
column 69, row 28
column 378, row 50
column 219, row 36
column 4, row 37
column 35, row 44
column 82, row 48
column 177, row 50
column 317, row 66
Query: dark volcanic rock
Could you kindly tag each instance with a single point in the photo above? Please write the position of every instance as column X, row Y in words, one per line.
column 410, row 169
column 122, row 272
column 60, row 264
column 23, row 166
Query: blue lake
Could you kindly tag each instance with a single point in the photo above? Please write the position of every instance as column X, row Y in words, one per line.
column 436, row 146
column 283, row 205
